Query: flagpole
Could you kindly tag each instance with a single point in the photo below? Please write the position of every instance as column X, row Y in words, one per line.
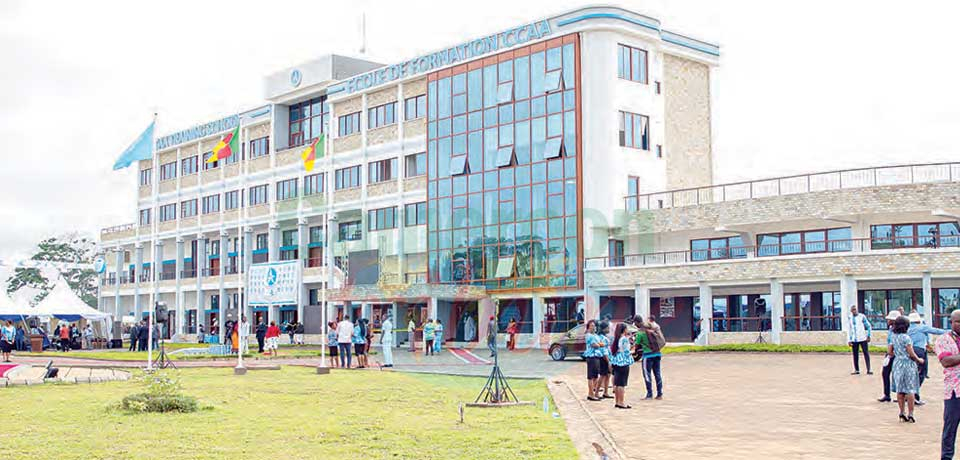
column 153, row 243
column 240, row 279
column 323, row 257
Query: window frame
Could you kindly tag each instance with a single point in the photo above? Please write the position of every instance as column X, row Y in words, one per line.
column 287, row 189
column 353, row 226
column 419, row 213
column 418, row 159
column 419, row 105
column 209, row 200
column 168, row 171
column 382, row 219
column 349, row 172
column 349, row 124
column 622, row 125
column 146, row 177
column 382, row 171
column 313, row 184
column 188, row 208
column 382, row 115
column 255, row 192
column 625, row 57
column 184, row 171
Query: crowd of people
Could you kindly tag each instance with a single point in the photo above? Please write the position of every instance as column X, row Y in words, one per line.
column 346, row 339
column 906, row 365
column 139, row 334
column 611, row 355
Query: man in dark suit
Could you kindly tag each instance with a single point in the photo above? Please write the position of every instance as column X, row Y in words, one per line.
column 143, row 335
column 134, row 336
column 261, row 334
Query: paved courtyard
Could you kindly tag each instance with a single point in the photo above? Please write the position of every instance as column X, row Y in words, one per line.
column 746, row 406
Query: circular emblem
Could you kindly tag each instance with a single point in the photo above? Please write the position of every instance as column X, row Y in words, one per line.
column 271, row 277
column 295, row 77
column 99, row 265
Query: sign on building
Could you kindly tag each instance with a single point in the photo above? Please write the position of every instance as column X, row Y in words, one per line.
column 274, row 283
column 667, row 308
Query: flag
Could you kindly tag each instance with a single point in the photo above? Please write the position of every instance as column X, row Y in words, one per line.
column 140, row 149
column 312, row 152
column 226, row 147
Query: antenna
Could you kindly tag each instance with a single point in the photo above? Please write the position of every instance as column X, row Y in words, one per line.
column 363, row 33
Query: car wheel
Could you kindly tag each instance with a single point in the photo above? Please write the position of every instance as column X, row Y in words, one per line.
column 558, row 352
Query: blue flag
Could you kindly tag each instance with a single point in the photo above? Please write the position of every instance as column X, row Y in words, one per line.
column 140, row 149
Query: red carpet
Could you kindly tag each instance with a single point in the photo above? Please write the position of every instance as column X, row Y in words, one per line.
column 467, row 356
column 4, row 368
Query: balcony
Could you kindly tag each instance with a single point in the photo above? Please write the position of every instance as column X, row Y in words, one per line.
column 791, row 185
column 117, row 232
column 857, row 245
column 188, row 273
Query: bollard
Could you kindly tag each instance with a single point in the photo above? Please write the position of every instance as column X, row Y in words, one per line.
column 546, row 405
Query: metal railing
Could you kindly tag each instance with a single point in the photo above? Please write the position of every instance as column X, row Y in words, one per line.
column 803, row 183
column 188, row 273
column 117, row 228
column 210, row 271
column 415, row 278
column 167, row 276
column 773, row 250
column 802, row 323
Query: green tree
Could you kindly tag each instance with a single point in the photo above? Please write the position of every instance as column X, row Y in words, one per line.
column 70, row 248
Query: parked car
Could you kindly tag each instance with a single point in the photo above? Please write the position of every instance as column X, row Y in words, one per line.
column 571, row 343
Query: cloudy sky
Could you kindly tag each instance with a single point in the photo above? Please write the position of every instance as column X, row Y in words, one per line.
column 803, row 86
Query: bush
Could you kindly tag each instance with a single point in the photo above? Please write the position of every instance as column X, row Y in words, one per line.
column 162, row 394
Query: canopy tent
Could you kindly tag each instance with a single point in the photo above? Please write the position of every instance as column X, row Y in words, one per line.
column 63, row 304
column 9, row 310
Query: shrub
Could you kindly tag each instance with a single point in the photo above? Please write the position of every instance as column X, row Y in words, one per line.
column 162, row 394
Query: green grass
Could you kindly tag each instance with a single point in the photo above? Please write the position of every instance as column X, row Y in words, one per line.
column 291, row 413
column 142, row 355
column 765, row 348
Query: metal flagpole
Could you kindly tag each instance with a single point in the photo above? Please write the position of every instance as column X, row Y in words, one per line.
column 324, row 284
column 240, row 252
column 153, row 242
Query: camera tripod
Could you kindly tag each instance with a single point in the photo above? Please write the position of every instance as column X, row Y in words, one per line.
column 497, row 390
column 163, row 361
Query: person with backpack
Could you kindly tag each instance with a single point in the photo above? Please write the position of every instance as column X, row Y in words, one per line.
column 649, row 342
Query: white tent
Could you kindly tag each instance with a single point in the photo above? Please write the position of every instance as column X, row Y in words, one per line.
column 10, row 310
column 63, row 304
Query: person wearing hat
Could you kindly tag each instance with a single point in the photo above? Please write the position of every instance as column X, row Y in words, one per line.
column 918, row 334
column 858, row 338
column 888, row 358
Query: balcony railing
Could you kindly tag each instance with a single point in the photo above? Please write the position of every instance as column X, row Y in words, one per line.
column 772, row 250
column 188, row 273
column 230, row 270
column 167, row 276
column 210, row 272
column 789, row 185
column 117, row 228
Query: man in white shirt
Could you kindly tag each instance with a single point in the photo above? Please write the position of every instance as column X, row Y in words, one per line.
column 386, row 341
column 243, row 333
column 858, row 337
column 344, row 342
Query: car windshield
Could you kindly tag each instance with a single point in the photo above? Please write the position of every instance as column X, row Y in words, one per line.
column 576, row 331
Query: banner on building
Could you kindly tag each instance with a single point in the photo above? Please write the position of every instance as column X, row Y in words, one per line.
column 274, row 283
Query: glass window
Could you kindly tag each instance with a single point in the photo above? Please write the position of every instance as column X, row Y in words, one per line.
column 307, row 120
column 146, row 177
column 313, row 184
column 949, row 234
column 168, row 212
column 208, row 165
column 415, row 107
column 258, row 148
column 288, row 238
column 316, row 234
column 768, row 245
column 349, row 124
column 553, row 147
column 382, row 115
column 505, row 266
column 348, row 177
column 188, row 166
column 286, row 189
column 458, row 165
column 505, row 93
column 188, row 208
column 415, row 214
column 231, row 200
column 505, row 156
column 168, row 171
column 381, row 219
column 350, row 231
column 211, row 204
column 698, row 250
column 840, row 239
column 552, row 81
column 634, row 131
column 258, row 195
column 144, row 217
column 382, row 171
column 631, row 63
column 415, row 165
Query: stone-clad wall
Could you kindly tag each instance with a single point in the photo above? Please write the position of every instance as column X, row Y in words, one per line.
column 910, row 262
column 686, row 89
column 844, row 202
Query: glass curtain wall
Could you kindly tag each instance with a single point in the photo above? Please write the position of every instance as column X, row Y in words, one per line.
column 502, row 169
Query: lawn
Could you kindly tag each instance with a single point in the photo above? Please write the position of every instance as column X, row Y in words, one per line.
column 123, row 355
column 291, row 413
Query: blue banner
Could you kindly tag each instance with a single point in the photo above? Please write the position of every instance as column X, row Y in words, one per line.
column 140, row 149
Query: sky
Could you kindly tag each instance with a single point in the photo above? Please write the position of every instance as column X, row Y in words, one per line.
column 802, row 86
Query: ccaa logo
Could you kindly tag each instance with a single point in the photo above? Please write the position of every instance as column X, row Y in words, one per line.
column 295, row 77
column 99, row 265
column 271, row 277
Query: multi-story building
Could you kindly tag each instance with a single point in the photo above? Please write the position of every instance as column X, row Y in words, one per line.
column 526, row 174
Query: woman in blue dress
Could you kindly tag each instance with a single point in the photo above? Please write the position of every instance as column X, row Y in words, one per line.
column 904, row 377
column 593, row 354
column 621, row 358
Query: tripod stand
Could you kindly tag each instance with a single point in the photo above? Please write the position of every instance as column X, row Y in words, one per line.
column 163, row 361
column 496, row 390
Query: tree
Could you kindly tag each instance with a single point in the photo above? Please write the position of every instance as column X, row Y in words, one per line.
column 70, row 248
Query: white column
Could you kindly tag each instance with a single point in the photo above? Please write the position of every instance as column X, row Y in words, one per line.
column 117, row 314
column 538, row 314
column 706, row 314
column 591, row 304
column 776, row 310
column 138, row 270
column 848, row 298
column 927, row 284
column 303, row 239
column 641, row 301
column 366, row 311
column 273, row 242
column 178, row 298
column 432, row 308
column 396, row 323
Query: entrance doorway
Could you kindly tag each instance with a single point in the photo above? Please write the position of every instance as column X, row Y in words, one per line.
column 463, row 322
column 675, row 316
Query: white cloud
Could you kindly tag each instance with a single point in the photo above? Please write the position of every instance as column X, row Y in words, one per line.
column 803, row 86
